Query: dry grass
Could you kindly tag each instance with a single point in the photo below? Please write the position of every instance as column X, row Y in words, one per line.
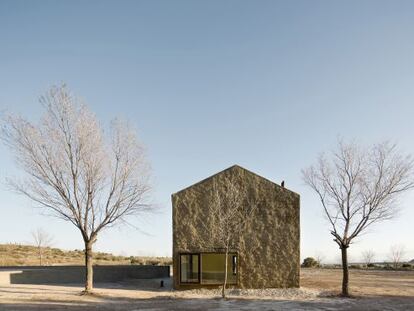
column 27, row 255
column 362, row 282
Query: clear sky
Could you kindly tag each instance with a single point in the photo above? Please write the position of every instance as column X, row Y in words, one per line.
column 263, row 84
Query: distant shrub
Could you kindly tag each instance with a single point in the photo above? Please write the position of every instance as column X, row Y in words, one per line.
column 407, row 265
column 153, row 262
column 137, row 261
column 309, row 262
column 371, row 265
column 355, row 266
column 101, row 256
column 12, row 254
column 57, row 252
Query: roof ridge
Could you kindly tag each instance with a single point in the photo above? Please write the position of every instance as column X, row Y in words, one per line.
column 227, row 169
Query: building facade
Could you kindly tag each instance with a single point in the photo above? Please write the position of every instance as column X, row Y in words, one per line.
column 268, row 252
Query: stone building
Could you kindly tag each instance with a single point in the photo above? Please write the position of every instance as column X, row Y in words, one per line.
column 267, row 255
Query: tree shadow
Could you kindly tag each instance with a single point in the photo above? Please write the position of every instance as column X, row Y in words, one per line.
column 75, row 274
column 106, row 302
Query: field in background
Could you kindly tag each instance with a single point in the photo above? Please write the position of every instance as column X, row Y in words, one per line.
column 362, row 282
column 26, row 255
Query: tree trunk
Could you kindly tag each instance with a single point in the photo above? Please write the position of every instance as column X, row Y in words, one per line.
column 223, row 291
column 345, row 277
column 40, row 256
column 88, row 267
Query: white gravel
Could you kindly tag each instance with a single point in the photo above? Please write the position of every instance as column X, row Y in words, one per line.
column 270, row 293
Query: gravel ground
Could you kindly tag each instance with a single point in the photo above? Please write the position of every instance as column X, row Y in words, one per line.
column 392, row 292
column 269, row 293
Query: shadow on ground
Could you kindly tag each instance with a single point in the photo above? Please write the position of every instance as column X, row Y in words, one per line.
column 47, row 275
column 104, row 302
column 146, row 285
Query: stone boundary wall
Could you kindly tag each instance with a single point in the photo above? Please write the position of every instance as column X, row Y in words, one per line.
column 76, row 274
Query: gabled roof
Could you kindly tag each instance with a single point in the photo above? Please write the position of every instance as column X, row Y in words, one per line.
column 234, row 167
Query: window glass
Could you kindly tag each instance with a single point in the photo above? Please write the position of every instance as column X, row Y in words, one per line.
column 189, row 268
column 234, row 265
column 213, row 267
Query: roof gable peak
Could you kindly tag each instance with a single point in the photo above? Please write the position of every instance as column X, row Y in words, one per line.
column 233, row 167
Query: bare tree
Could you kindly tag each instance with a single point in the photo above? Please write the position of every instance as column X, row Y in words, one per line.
column 396, row 255
column 41, row 239
column 229, row 211
column 358, row 188
column 368, row 256
column 320, row 257
column 76, row 173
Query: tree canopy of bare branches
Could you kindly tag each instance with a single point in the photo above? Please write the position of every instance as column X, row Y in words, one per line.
column 359, row 187
column 41, row 240
column 396, row 255
column 74, row 171
column 231, row 207
column 319, row 257
column 368, row 256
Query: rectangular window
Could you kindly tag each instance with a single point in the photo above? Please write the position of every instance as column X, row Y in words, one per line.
column 234, row 265
column 213, row 268
column 190, row 268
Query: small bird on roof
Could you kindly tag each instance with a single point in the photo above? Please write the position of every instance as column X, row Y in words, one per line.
column 282, row 184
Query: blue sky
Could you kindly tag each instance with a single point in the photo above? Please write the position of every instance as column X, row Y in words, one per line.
column 263, row 84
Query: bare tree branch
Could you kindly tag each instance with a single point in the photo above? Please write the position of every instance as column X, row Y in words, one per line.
column 73, row 170
column 358, row 188
column 396, row 255
column 41, row 240
column 368, row 256
column 232, row 205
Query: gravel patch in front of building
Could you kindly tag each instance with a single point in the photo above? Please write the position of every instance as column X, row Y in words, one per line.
column 270, row 293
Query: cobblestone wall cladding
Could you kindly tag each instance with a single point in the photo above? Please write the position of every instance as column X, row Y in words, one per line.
column 269, row 248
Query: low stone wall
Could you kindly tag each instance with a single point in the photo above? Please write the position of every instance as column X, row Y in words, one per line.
column 76, row 274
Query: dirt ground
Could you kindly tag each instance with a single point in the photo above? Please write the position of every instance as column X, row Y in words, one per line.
column 363, row 282
column 373, row 290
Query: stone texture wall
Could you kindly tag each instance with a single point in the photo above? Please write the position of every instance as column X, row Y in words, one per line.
column 269, row 248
